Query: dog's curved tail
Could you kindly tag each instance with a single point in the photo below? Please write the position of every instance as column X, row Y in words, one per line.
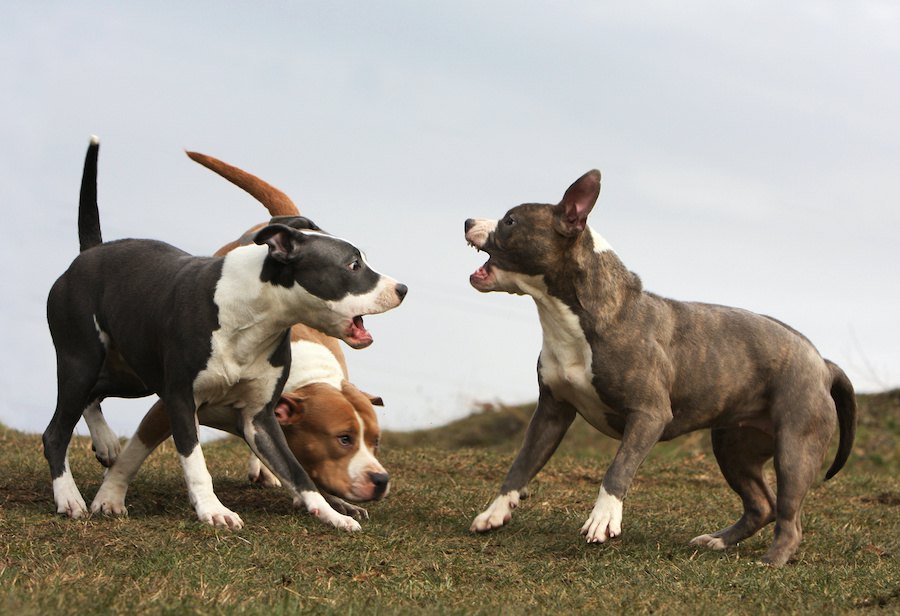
column 278, row 203
column 845, row 403
column 88, row 214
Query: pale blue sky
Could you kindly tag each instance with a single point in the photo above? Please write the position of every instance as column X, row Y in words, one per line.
column 750, row 156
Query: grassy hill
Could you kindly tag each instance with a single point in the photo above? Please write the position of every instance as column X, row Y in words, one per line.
column 415, row 553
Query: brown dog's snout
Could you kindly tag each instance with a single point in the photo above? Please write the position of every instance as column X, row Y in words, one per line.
column 470, row 222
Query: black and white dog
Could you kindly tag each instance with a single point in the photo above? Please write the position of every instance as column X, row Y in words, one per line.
column 131, row 318
column 642, row 368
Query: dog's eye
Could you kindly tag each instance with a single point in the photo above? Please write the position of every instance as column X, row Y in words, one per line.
column 509, row 221
column 354, row 265
column 345, row 439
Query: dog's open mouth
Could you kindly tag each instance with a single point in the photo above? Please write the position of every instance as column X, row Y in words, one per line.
column 357, row 336
column 483, row 278
column 481, row 274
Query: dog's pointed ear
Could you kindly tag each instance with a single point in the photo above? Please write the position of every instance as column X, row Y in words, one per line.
column 289, row 410
column 577, row 203
column 283, row 242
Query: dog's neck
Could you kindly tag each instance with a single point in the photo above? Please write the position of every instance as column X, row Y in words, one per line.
column 592, row 282
column 252, row 313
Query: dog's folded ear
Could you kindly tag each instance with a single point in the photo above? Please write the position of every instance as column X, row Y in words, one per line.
column 375, row 400
column 577, row 203
column 295, row 222
column 283, row 241
column 290, row 408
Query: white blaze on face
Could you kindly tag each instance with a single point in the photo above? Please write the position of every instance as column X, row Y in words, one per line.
column 380, row 299
column 361, row 464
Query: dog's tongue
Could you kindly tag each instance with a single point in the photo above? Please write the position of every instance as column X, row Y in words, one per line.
column 358, row 335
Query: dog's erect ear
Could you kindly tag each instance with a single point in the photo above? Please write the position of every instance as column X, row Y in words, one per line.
column 283, row 242
column 577, row 203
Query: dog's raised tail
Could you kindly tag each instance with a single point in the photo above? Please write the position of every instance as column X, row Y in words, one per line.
column 845, row 403
column 278, row 203
column 88, row 215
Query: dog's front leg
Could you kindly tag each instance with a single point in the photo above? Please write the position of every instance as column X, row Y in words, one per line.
column 185, row 433
column 642, row 430
column 266, row 439
column 546, row 430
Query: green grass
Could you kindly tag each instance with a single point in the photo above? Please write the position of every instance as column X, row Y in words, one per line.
column 416, row 554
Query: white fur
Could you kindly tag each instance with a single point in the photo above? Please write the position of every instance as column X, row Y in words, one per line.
column 106, row 443
column 362, row 463
column 66, row 495
column 312, row 362
column 498, row 513
column 566, row 356
column 200, row 490
column 110, row 498
column 316, row 504
column 600, row 243
column 709, row 541
column 605, row 521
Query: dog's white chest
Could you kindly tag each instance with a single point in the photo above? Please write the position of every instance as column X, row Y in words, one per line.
column 566, row 359
column 230, row 379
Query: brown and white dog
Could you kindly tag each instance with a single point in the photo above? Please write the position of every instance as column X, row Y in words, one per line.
column 329, row 424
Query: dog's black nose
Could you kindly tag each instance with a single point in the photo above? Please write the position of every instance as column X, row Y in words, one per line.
column 470, row 222
column 380, row 481
column 401, row 290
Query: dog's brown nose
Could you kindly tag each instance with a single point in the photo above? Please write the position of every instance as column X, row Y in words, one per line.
column 470, row 222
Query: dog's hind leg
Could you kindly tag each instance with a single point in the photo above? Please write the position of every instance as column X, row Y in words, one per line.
column 76, row 375
column 152, row 431
column 104, row 441
column 741, row 453
column 800, row 446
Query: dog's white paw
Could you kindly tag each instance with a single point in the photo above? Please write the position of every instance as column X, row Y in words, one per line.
column 605, row 521
column 106, row 446
column 67, row 497
column 104, row 442
column 497, row 514
column 709, row 541
column 316, row 505
column 258, row 473
column 109, row 501
column 218, row 515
